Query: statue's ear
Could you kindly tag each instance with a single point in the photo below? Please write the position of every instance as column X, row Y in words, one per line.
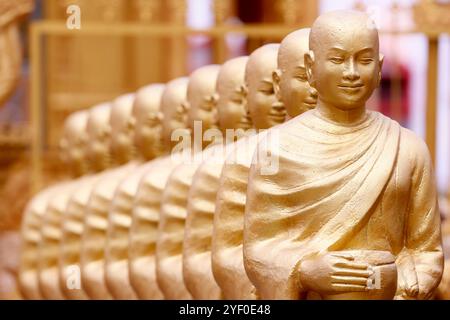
column 381, row 61
column 309, row 63
column 276, row 78
column 107, row 132
column 131, row 123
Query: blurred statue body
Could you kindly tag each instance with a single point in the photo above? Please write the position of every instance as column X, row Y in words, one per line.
column 147, row 142
column 146, row 209
column 296, row 96
column 352, row 211
column 93, row 242
column 73, row 154
column 169, row 249
column 33, row 260
column 31, row 237
column 233, row 114
column 98, row 158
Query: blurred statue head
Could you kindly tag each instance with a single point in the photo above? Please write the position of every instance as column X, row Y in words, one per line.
column 174, row 109
column 232, row 95
column 73, row 143
column 291, row 81
column 122, row 129
column 265, row 109
column 148, row 117
column 99, row 136
column 201, row 97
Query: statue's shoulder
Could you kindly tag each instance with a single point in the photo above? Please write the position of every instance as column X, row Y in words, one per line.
column 408, row 138
column 414, row 148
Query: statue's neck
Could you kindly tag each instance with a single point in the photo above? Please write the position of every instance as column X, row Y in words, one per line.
column 338, row 115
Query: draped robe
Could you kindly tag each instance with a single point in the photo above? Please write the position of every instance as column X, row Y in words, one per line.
column 49, row 246
column 169, row 247
column 72, row 229
column 31, row 237
column 144, row 228
column 197, row 268
column 93, row 239
column 366, row 186
column 227, row 257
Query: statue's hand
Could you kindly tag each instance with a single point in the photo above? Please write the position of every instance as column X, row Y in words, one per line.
column 333, row 273
column 407, row 278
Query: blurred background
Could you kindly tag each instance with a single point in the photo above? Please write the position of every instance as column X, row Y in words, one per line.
column 122, row 45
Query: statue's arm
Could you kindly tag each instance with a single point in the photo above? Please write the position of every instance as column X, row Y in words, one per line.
column 422, row 254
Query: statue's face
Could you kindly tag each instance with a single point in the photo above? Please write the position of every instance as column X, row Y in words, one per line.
column 174, row 109
column 347, row 66
column 99, row 135
column 122, row 128
column 201, row 94
column 296, row 93
column 265, row 109
column 73, row 143
column 232, row 95
column 147, row 137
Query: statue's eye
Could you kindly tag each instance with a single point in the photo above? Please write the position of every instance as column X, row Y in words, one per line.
column 301, row 77
column 268, row 90
column 366, row 60
column 337, row 60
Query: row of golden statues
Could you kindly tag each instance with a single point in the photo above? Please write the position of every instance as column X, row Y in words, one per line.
column 350, row 211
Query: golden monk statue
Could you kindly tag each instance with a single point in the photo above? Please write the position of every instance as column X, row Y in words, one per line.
column 98, row 119
column 93, row 241
column 351, row 212
column 73, row 154
column 147, row 200
column 98, row 159
column 202, row 107
column 227, row 258
column 147, row 142
column 233, row 114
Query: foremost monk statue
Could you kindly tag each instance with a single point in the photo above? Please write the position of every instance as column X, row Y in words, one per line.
column 233, row 115
column 169, row 248
column 98, row 159
column 148, row 145
column 352, row 211
column 93, row 242
column 227, row 257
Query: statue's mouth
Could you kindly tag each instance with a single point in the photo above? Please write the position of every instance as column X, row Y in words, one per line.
column 355, row 86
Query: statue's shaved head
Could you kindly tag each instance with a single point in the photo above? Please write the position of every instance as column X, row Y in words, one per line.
column 293, row 48
column 343, row 23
